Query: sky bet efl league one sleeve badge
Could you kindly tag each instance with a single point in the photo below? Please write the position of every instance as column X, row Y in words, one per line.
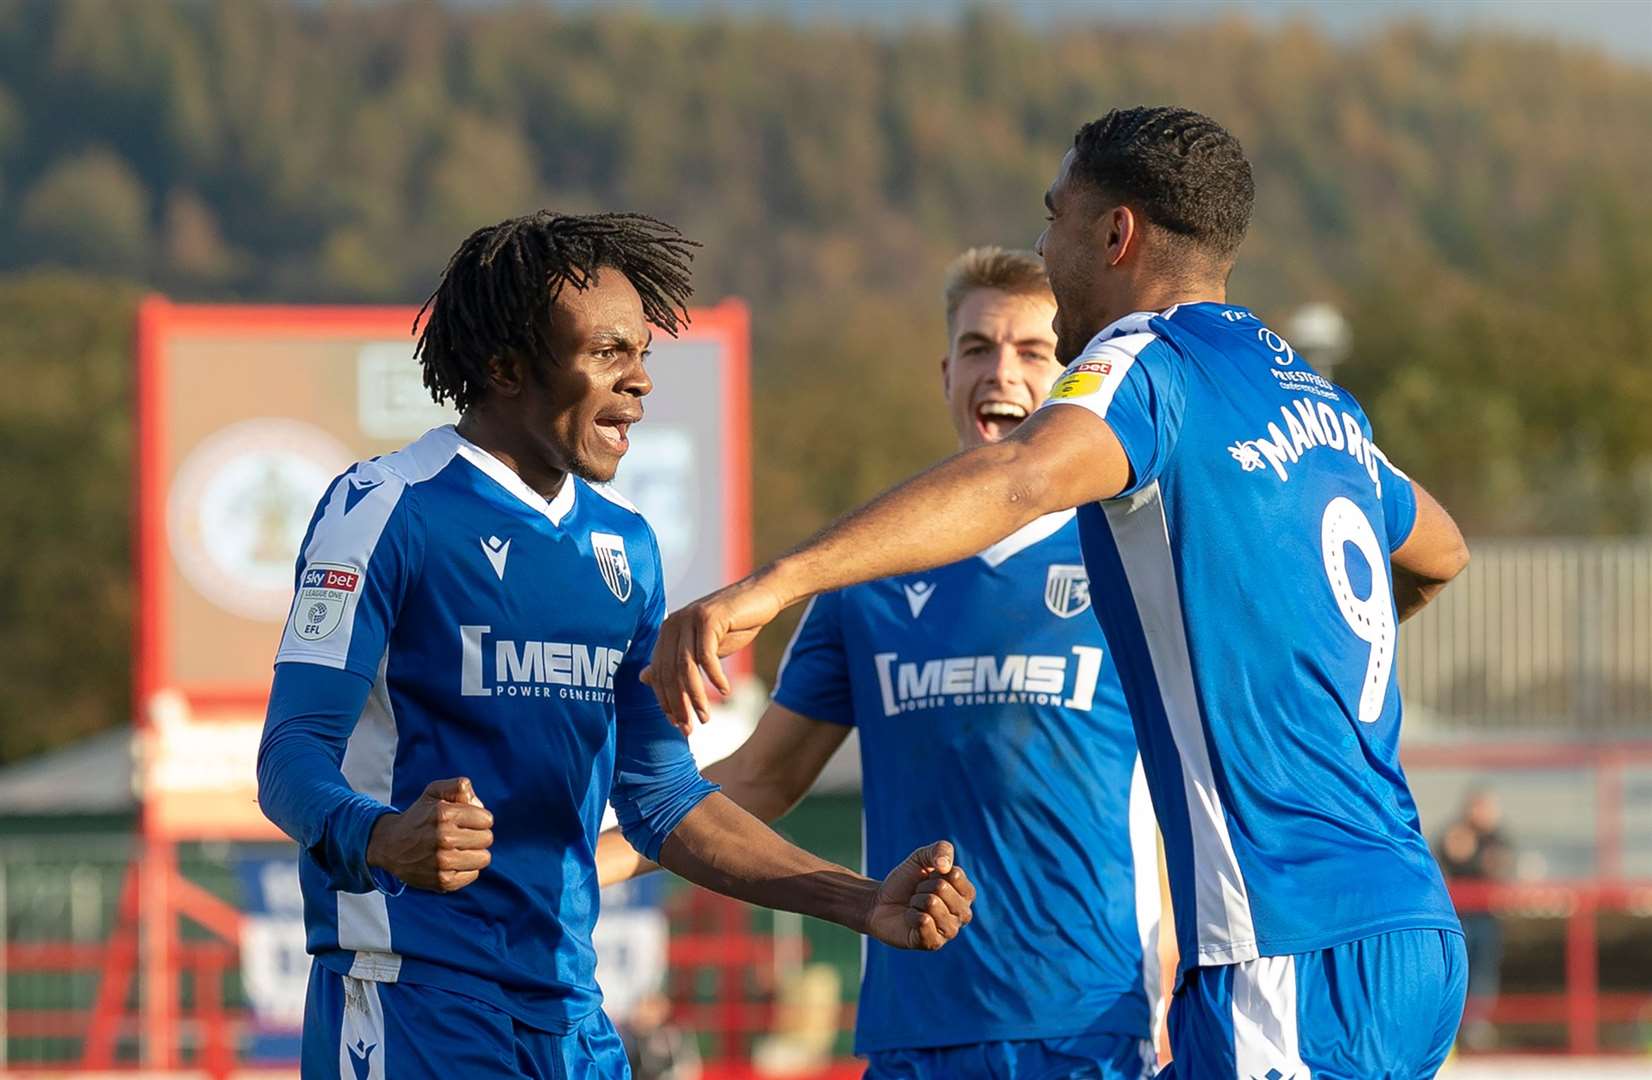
column 323, row 593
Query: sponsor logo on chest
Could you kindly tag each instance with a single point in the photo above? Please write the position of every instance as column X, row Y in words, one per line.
column 570, row 671
column 1067, row 681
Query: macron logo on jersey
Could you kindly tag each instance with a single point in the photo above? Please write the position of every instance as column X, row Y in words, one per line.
column 358, row 490
column 917, row 595
column 497, row 551
column 567, row 670
column 1017, row 679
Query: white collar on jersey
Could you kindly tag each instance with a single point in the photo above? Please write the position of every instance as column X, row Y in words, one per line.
column 555, row 509
column 1133, row 323
column 1025, row 537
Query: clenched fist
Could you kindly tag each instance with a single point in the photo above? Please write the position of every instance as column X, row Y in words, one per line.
column 439, row 843
column 924, row 901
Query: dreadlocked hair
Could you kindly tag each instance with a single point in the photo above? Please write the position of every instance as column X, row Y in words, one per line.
column 496, row 294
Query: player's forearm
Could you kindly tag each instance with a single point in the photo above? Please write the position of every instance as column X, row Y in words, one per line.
column 725, row 849
column 1413, row 593
column 300, row 786
column 1431, row 556
column 947, row 513
column 618, row 861
column 757, row 789
column 301, row 790
column 763, row 798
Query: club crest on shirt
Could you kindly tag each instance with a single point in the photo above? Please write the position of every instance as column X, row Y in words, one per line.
column 1067, row 590
column 616, row 569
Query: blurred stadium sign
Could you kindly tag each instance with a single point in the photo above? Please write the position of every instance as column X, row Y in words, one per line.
column 246, row 413
column 274, row 965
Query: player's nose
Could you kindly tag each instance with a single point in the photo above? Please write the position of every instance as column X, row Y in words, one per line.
column 1007, row 364
column 636, row 381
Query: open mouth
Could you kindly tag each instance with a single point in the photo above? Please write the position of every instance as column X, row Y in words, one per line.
column 611, row 430
column 996, row 419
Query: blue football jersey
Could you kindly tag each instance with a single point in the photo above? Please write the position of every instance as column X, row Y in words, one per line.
column 989, row 713
column 492, row 635
column 1243, row 583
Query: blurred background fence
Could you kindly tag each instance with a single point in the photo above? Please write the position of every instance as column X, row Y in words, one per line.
column 1528, row 680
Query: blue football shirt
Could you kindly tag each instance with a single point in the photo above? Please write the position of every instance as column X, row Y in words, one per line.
column 1243, row 583
column 449, row 622
column 989, row 713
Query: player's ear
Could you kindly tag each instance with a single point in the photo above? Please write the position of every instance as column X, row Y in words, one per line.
column 505, row 374
column 1119, row 232
column 946, row 374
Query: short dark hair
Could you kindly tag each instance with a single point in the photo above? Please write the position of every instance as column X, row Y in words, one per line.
column 1183, row 169
column 1019, row 273
column 496, row 294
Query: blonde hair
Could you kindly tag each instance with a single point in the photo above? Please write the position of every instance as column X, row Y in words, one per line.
column 1020, row 273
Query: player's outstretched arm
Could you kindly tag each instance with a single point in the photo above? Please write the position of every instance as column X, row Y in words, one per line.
column 1057, row 459
column 766, row 777
column 922, row 904
column 1431, row 556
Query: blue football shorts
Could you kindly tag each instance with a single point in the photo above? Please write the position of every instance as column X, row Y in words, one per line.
column 360, row 1030
column 1382, row 1008
column 1081, row 1057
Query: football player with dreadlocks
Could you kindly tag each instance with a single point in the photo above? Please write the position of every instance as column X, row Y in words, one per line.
column 456, row 696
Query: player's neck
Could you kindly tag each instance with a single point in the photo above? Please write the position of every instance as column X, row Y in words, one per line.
column 1164, row 295
column 513, row 453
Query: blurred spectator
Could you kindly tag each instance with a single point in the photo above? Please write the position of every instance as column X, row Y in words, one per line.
column 657, row 1049
column 807, row 1018
column 1475, row 848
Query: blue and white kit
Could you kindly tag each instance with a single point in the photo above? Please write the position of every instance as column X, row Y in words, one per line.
column 1243, row 583
column 450, row 622
column 989, row 712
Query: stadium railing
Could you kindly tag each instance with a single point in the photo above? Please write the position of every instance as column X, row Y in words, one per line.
column 1585, row 917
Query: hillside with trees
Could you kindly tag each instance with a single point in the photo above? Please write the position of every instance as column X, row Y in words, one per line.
column 1476, row 205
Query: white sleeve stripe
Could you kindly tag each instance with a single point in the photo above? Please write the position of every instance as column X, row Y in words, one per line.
column 1144, row 853
column 347, row 535
column 786, row 657
column 1108, row 362
column 1221, row 903
column 368, row 766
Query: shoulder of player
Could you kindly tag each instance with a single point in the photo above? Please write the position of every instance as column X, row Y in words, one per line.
column 1117, row 351
column 607, row 492
column 421, row 460
column 370, row 493
column 404, row 470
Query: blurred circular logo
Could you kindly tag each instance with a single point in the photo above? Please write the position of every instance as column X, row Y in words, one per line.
column 238, row 508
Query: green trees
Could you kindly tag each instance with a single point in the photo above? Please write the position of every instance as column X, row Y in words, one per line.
column 1475, row 205
column 65, row 439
